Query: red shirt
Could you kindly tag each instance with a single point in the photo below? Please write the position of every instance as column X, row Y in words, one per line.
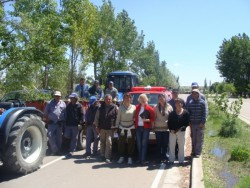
column 146, row 125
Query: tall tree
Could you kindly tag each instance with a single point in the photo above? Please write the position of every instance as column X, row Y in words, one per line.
column 233, row 62
column 79, row 17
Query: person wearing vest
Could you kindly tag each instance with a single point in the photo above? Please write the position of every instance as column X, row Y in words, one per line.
column 105, row 123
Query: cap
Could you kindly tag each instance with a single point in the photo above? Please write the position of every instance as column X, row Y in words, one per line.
column 111, row 82
column 96, row 82
column 73, row 95
column 57, row 93
column 92, row 100
column 196, row 90
column 194, row 84
column 175, row 91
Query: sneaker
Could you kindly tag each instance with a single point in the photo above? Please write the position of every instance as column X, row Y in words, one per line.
column 130, row 162
column 120, row 161
column 108, row 161
column 86, row 155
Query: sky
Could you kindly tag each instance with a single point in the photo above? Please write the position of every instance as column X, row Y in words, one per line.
column 188, row 33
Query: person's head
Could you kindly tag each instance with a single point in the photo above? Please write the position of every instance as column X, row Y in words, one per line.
column 96, row 83
column 194, row 85
column 175, row 93
column 143, row 99
column 73, row 98
column 57, row 96
column 92, row 101
column 82, row 81
column 127, row 98
column 178, row 103
column 162, row 99
column 108, row 99
column 111, row 84
column 195, row 94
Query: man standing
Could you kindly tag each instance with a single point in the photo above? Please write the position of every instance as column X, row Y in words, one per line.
column 54, row 112
column 74, row 116
column 198, row 114
column 91, row 134
column 82, row 89
column 112, row 91
column 105, row 121
column 195, row 85
column 175, row 94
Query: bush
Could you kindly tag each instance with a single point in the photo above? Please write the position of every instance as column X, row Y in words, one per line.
column 228, row 128
column 239, row 154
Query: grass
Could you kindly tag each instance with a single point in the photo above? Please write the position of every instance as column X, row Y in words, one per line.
column 219, row 168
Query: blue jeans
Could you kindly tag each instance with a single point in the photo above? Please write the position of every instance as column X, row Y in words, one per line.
column 142, row 136
column 55, row 137
column 72, row 132
column 162, row 138
column 91, row 136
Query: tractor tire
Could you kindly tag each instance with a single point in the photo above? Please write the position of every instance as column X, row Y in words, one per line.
column 27, row 144
column 81, row 143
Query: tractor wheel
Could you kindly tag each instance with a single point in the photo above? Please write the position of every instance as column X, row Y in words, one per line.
column 27, row 144
column 81, row 140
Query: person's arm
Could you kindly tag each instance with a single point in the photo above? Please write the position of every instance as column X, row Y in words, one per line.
column 118, row 119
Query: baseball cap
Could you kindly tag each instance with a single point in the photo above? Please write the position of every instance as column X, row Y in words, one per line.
column 92, row 100
column 196, row 90
column 194, row 84
column 73, row 95
column 111, row 82
column 57, row 93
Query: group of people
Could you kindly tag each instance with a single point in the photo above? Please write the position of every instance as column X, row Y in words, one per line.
column 131, row 124
column 85, row 91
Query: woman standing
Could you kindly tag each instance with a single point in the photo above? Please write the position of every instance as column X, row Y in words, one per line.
column 144, row 117
column 178, row 121
column 160, row 126
column 125, row 123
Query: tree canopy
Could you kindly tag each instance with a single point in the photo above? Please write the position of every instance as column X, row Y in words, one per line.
column 46, row 45
column 233, row 62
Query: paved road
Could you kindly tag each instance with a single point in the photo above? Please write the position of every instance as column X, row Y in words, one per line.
column 64, row 172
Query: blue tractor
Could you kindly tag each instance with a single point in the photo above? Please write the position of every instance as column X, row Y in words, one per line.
column 123, row 81
column 23, row 138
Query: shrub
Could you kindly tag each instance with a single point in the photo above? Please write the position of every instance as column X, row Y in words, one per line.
column 240, row 154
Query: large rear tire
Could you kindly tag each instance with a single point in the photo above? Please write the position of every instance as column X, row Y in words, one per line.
column 81, row 144
column 27, row 144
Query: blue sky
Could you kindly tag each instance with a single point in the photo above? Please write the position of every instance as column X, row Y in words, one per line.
column 188, row 33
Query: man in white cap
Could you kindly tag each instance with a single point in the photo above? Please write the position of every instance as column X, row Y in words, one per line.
column 74, row 117
column 195, row 85
column 198, row 115
column 54, row 113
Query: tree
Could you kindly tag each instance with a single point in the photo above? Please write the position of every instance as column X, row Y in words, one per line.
column 233, row 62
column 79, row 17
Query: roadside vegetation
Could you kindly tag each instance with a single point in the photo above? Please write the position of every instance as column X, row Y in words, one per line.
column 226, row 153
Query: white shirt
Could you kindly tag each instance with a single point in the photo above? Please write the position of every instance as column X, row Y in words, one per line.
column 140, row 121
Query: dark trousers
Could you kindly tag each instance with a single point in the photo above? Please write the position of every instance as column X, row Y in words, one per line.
column 162, row 138
column 142, row 136
column 130, row 143
column 91, row 136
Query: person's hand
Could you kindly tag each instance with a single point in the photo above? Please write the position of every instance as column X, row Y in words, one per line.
column 97, row 130
column 202, row 126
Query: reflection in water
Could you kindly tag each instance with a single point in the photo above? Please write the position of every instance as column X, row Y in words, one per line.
column 218, row 152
